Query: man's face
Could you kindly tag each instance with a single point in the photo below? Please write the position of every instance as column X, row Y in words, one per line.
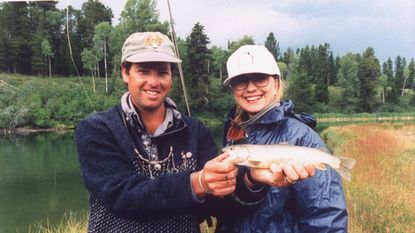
column 149, row 84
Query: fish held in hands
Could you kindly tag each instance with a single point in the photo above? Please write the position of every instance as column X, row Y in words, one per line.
column 262, row 156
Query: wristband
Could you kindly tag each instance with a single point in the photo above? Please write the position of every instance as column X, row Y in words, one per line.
column 257, row 185
column 201, row 183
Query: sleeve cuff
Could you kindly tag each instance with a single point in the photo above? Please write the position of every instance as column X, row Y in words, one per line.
column 246, row 195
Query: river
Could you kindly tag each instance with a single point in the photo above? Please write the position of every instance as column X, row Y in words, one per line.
column 39, row 180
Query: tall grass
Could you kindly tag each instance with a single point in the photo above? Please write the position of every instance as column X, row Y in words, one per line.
column 70, row 223
column 380, row 197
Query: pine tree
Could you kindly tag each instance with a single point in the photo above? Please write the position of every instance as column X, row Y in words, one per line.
column 273, row 45
column 198, row 52
column 368, row 74
column 299, row 89
column 387, row 70
column 322, row 74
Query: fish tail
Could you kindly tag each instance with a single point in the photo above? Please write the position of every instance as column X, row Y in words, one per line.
column 346, row 164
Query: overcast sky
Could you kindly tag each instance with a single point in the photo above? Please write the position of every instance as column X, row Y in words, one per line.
column 347, row 25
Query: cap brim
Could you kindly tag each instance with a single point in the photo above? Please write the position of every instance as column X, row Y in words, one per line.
column 227, row 81
column 152, row 57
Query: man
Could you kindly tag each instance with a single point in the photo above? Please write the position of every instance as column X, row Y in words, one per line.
column 147, row 167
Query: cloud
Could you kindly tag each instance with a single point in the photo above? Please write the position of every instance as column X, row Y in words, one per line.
column 347, row 25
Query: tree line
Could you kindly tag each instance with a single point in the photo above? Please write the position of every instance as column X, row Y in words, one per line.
column 38, row 39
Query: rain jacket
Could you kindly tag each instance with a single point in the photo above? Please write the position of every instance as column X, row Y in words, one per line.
column 316, row 204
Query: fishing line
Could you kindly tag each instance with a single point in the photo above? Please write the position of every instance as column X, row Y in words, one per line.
column 72, row 59
column 178, row 56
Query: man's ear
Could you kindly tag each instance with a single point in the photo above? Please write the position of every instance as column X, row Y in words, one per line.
column 125, row 76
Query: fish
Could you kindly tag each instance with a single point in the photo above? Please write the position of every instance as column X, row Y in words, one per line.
column 262, row 156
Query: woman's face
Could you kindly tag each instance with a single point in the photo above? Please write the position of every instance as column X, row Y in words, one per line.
column 255, row 91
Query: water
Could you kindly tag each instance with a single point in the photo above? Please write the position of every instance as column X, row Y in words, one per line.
column 39, row 180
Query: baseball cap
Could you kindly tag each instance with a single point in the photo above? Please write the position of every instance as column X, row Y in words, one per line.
column 251, row 59
column 148, row 47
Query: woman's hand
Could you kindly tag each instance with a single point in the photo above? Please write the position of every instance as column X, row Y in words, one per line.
column 217, row 178
column 282, row 175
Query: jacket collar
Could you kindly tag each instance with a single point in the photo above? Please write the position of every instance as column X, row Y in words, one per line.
column 286, row 109
column 277, row 114
column 174, row 124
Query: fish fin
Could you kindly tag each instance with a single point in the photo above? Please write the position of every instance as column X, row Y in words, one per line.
column 345, row 173
column 254, row 163
column 320, row 166
column 347, row 162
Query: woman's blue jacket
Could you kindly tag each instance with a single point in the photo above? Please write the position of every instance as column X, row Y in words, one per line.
column 313, row 205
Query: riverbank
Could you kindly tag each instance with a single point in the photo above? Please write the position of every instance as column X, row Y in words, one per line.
column 26, row 131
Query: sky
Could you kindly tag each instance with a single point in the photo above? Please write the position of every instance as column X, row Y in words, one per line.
column 388, row 26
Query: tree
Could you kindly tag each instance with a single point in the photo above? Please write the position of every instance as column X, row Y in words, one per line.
column 71, row 31
column 47, row 52
column 218, row 61
column 368, row 73
column 234, row 45
column 89, row 59
column 93, row 12
column 387, row 69
column 332, row 70
column 141, row 16
column 398, row 79
column 348, row 81
column 17, row 37
column 321, row 72
column 197, row 50
column 411, row 76
column 102, row 34
column 286, row 59
column 273, row 45
column 299, row 89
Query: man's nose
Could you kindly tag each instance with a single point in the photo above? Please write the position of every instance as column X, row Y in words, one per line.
column 153, row 78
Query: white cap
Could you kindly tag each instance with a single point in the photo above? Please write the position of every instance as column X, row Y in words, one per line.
column 251, row 59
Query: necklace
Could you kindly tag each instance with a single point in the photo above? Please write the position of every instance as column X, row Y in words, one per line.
column 155, row 168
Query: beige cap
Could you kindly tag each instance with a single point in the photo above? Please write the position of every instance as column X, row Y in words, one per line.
column 148, row 47
column 251, row 59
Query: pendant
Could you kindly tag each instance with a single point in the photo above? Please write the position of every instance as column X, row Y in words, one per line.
column 157, row 167
column 189, row 155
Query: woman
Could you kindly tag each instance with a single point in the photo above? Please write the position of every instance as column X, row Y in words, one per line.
column 310, row 205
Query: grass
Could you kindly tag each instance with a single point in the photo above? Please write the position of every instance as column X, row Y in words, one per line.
column 70, row 223
column 380, row 197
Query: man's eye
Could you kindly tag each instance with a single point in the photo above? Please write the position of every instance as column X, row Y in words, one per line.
column 163, row 72
column 142, row 71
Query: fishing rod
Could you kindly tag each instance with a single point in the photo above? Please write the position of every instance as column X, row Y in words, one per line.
column 178, row 56
column 72, row 59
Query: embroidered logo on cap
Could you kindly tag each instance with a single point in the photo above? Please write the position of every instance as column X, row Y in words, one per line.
column 153, row 40
column 245, row 59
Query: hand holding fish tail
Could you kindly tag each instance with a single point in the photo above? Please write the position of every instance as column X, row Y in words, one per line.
column 217, row 178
